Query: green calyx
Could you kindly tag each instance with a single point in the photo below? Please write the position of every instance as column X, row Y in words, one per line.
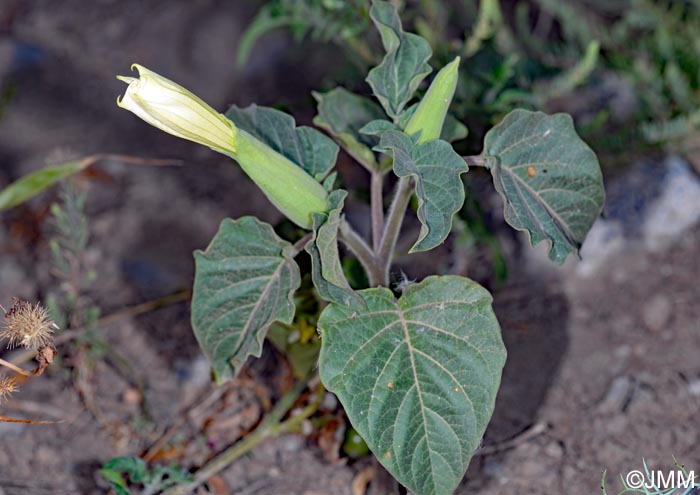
column 293, row 191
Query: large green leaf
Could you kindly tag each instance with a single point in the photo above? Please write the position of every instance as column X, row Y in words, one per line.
column 343, row 113
column 327, row 272
column 417, row 377
column 549, row 178
column 30, row 185
column 405, row 64
column 244, row 281
column 310, row 149
column 437, row 169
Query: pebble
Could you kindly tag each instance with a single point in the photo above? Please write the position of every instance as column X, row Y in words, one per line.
column 132, row 397
column 694, row 387
column 618, row 393
column 329, row 402
column 657, row 313
column 554, row 450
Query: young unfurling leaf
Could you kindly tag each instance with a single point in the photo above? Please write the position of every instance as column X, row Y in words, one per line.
column 437, row 170
column 405, row 64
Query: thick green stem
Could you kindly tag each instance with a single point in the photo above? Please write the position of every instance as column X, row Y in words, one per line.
column 402, row 198
column 268, row 428
column 364, row 253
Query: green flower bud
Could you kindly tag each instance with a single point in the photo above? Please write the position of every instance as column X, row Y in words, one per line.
column 432, row 109
column 175, row 110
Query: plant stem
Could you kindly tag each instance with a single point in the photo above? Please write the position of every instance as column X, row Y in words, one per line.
column 402, row 198
column 268, row 428
column 14, row 368
column 476, row 161
column 364, row 253
column 298, row 246
column 377, row 204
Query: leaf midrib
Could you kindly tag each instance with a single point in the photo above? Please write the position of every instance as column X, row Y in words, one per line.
column 409, row 345
column 558, row 221
column 263, row 295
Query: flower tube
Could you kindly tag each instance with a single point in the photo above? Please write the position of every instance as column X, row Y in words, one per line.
column 175, row 110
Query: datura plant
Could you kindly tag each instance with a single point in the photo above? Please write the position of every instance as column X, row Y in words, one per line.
column 417, row 372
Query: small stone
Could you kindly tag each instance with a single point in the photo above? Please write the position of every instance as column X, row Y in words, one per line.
column 657, row 313
column 617, row 395
column 554, row 450
column 132, row 397
column 694, row 387
column 329, row 402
